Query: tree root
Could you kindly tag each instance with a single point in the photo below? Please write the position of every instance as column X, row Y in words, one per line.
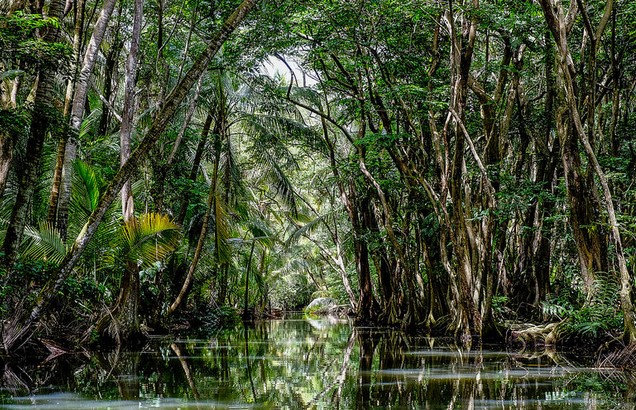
column 535, row 335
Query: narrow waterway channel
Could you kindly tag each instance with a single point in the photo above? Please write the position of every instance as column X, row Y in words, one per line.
column 296, row 363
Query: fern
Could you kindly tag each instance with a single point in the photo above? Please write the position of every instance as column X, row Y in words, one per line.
column 601, row 313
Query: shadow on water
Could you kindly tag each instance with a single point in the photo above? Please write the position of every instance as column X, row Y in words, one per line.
column 306, row 364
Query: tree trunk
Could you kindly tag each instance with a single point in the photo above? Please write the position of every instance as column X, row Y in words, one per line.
column 110, row 72
column 468, row 320
column 196, row 163
column 366, row 313
column 127, row 306
column 165, row 168
column 128, row 113
column 210, row 206
column 61, row 189
column 43, row 111
column 553, row 14
column 7, row 144
column 78, row 36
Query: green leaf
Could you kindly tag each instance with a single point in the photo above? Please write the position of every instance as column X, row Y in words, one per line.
column 150, row 238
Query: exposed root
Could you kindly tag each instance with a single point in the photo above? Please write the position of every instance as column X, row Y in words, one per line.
column 535, row 335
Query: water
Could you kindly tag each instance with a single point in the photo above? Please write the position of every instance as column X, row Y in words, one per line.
column 317, row 364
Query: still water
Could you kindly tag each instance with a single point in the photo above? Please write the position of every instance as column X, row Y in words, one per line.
column 312, row 364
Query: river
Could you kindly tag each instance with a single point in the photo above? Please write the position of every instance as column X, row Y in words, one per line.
column 296, row 363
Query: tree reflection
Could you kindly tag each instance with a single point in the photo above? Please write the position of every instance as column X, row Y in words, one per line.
column 321, row 365
column 367, row 343
column 186, row 370
column 248, row 362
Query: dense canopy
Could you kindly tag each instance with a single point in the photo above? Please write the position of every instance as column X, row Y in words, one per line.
column 446, row 167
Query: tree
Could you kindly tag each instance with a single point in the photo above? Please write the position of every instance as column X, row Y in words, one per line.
column 138, row 155
column 67, row 148
column 558, row 26
column 43, row 116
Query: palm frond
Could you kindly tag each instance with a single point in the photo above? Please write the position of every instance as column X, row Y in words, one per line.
column 85, row 190
column 305, row 229
column 271, row 133
column 10, row 74
column 44, row 243
column 308, row 95
column 89, row 122
column 261, row 232
column 283, row 186
column 150, row 238
column 260, row 280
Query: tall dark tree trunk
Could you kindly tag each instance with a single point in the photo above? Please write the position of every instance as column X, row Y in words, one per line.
column 196, row 164
column 366, row 313
column 7, row 145
column 44, row 111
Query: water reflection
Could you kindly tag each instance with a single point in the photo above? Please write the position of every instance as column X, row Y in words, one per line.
column 302, row 364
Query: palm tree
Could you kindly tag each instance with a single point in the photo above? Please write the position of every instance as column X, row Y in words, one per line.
column 136, row 244
column 243, row 115
column 143, row 241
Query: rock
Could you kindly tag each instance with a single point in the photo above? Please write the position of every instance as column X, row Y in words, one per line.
column 321, row 306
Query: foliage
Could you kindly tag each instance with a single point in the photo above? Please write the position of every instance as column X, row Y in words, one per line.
column 44, row 243
column 222, row 317
column 292, row 292
column 601, row 315
column 18, row 39
column 593, row 319
column 149, row 238
column 22, row 286
column 419, row 160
